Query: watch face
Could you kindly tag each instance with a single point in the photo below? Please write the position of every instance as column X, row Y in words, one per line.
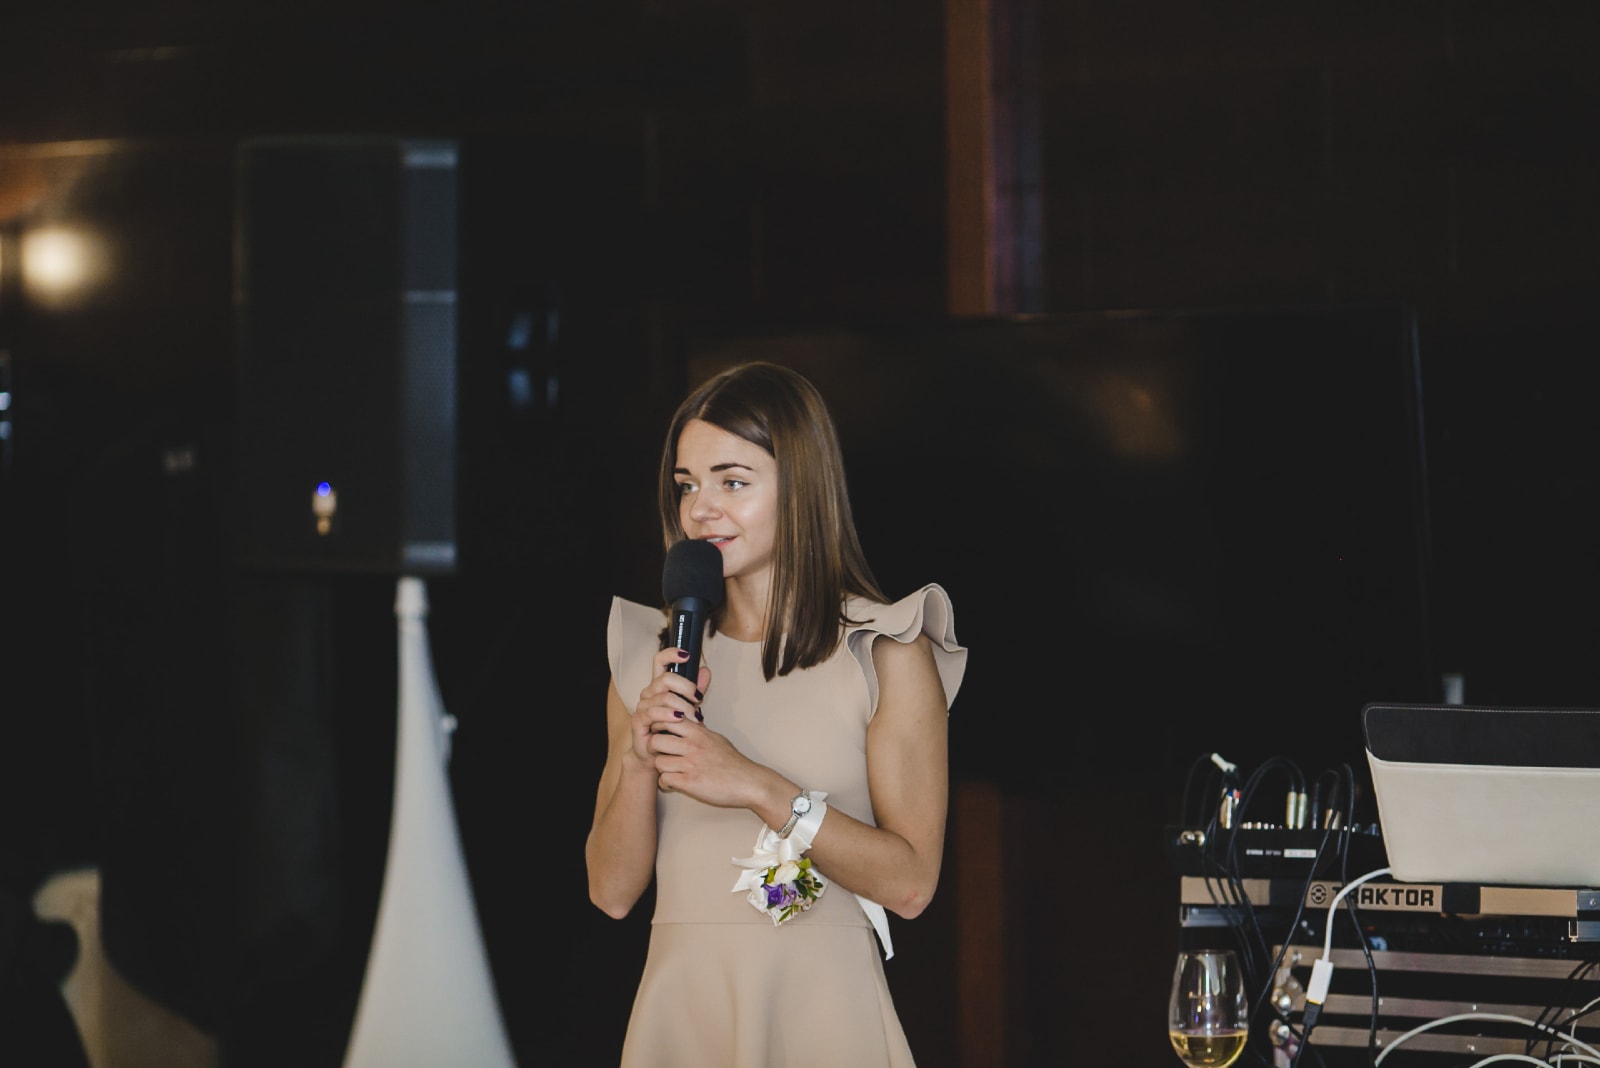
column 801, row 805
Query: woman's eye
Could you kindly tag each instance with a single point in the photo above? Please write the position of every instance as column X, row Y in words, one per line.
column 734, row 484
column 685, row 488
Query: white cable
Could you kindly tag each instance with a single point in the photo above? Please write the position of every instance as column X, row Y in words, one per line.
column 1521, row 1057
column 1327, row 945
column 1563, row 1058
column 1495, row 1016
column 1322, row 968
column 1583, row 1012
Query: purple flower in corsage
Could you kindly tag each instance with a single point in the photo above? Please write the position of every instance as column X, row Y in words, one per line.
column 787, row 889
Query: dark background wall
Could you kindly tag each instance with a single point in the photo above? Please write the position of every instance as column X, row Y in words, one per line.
column 636, row 176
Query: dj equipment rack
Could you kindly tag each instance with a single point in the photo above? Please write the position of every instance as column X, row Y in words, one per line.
column 1491, row 954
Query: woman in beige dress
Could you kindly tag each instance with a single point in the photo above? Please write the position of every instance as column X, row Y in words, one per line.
column 798, row 788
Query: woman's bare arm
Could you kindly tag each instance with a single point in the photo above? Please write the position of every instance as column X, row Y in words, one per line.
column 621, row 849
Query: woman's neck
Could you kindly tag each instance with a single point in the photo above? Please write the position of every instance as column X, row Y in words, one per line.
column 744, row 609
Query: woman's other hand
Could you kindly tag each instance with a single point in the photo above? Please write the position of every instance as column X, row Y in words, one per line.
column 693, row 759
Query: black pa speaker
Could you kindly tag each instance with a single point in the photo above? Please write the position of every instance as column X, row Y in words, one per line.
column 345, row 306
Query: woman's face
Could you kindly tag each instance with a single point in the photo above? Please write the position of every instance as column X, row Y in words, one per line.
column 728, row 495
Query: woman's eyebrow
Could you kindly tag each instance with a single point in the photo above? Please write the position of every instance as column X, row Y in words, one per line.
column 714, row 468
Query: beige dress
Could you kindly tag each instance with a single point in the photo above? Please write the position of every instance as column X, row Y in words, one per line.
column 723, row 987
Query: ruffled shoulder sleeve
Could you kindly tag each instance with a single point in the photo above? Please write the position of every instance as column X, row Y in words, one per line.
column 928, row 611
column 633, row 637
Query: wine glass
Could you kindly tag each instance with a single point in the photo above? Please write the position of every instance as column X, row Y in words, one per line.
column 1207, row 1017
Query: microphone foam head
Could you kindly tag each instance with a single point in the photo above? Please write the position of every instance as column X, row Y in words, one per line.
column 693, row 569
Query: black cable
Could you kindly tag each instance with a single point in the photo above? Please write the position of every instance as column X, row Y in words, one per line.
column 1224, row 879
column 1223, row 862
column 1239, row 902
column 1238, row 910
column 1253, row 783
column 1247, row 795
column 1288, row 937
column 1273, row 963
column 1294, row 923
column 1347, row 840
column 1546, row 1018
column 1566, row 1024
column 1311, row 1012
column 1211, row 866
column 1214, row 772
column 1229, row 911
column 1318, row 805
column 1304, row 1044
column 1372, row 974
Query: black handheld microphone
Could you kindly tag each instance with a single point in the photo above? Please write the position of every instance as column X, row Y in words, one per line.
column 691, row 582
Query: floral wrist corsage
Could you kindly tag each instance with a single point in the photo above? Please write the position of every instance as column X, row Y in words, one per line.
column 787, row 889
column 778, row 878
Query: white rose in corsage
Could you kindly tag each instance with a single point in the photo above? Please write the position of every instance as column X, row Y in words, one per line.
column 787, row 890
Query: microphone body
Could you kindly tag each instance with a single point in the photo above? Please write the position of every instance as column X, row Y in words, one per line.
column 691, row 582
column 688, row 632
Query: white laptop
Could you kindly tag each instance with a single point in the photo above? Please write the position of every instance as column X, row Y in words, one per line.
column 1495, row 796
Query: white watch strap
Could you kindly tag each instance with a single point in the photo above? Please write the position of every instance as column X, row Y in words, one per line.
column 805, row 829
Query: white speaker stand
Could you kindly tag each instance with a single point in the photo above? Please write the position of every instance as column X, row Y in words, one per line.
column 428, row 1000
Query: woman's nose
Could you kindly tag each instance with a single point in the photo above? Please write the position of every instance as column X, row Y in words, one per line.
column 701, row 507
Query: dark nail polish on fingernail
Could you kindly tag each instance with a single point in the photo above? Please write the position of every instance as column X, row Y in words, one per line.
column 676, row 713
column 683, row 654
column 699, row 715
column 698, row 696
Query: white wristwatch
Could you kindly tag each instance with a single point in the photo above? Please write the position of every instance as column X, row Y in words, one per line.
column 797, row 808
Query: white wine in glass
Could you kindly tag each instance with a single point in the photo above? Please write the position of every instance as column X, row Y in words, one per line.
column 1207, row 1017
